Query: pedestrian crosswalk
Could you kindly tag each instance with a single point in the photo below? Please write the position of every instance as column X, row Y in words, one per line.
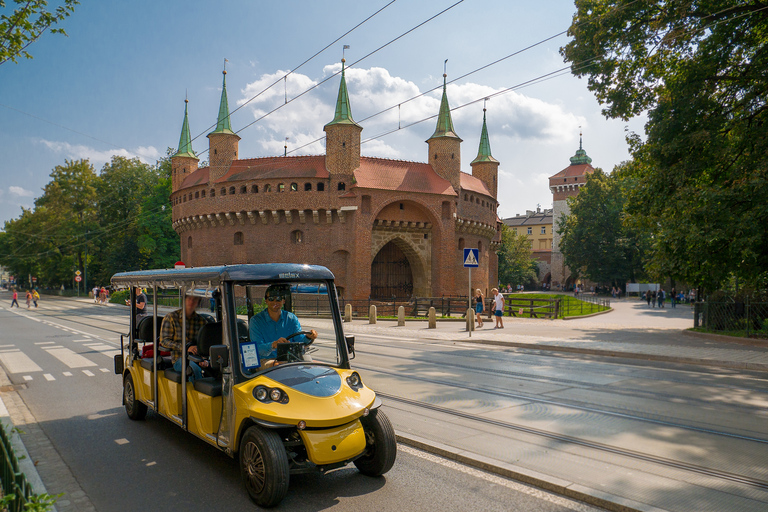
column 79, row 351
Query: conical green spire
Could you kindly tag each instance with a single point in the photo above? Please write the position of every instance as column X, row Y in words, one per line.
column 343, row 113
column 581, row 155
column 222, row 125
column 484, row 151
column 185, row 141
column 444, row 122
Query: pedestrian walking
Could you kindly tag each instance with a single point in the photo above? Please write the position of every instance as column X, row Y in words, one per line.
column 479, row 306
column 95, row 293
column 29, row 299
column 648, row 297
column 498, row 308
column 15, row 298
column 673, row 297
column 660, row 298
column 35, row 297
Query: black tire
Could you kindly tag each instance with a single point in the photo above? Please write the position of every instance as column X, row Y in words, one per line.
column 381, row 445
column 264, row 466
column 134, row 408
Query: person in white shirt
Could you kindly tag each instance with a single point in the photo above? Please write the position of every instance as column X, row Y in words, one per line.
column 498, row 308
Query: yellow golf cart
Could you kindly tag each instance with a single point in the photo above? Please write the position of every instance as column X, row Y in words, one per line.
column 281, row 406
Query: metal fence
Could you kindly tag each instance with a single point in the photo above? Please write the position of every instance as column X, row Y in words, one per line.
column 14, row 483
column 737, row 318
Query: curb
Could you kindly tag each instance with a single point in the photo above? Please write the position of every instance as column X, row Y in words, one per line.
column 26, row 465
column 548, row 483
column 726, row 339
column 625, row 355
column 609, row 310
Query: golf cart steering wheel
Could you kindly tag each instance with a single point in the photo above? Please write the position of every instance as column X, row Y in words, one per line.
column 299, row 333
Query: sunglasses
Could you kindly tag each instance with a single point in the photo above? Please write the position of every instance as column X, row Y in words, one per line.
column 273, row 298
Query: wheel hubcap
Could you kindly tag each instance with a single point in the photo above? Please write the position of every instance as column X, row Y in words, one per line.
column 253, row 464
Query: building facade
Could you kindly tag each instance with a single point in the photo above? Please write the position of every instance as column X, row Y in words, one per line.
column 537, row 226
column 563, row 185
column 385, row 228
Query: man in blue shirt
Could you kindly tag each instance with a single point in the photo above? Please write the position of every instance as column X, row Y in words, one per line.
column 272, row 326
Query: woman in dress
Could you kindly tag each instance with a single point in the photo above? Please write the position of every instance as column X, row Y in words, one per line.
column 479, row 306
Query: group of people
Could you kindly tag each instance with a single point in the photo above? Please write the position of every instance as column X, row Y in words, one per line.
column 498, row 307
column 32, row 297
column 267, row 329
column 100, row 295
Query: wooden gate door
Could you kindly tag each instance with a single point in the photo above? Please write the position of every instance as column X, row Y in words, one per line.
column 391, row 274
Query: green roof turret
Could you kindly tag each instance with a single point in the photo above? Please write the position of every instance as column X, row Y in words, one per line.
column 444, row 126
column 484, row 150
column 223, row 125
column 185, row 141
column 581, row 156
column 343, row 114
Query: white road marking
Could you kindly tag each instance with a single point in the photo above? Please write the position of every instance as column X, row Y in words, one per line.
column 151, row 463
column 7, row 346
column 67, row 374
column 122, row 441
column 45, row 342
column 27, row 377
column 104, row 370
column 88, row 373
column 70, row 358
column 18, row 362
column 49, row 377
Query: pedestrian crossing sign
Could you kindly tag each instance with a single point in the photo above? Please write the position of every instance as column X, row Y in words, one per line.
column 471, row 257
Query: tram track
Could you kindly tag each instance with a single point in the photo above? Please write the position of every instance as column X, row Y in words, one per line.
column 570, row 440
column 566, row 404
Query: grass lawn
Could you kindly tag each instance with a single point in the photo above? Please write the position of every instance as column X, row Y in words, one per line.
column 569, row 306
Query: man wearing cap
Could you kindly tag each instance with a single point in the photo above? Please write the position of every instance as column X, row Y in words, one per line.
column 272, row 326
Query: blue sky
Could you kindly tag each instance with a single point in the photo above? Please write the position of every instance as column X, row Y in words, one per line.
column 117, row 84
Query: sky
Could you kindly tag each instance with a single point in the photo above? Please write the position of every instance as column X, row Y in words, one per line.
column 116, row 86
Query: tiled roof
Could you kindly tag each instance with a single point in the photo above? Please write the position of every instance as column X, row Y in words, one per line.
column 381, row 173
column 199, row 177
column 534, row 220
column 574, row 170
column 472, row 184
column 276, row 167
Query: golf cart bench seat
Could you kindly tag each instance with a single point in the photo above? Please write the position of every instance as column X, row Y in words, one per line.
column 162, row 363
column 210, row 386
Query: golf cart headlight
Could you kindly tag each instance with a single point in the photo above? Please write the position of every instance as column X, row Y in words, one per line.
column 261, row 393
column 276, row 395
column 354, row 381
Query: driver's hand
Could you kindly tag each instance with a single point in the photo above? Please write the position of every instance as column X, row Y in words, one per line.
column 278, row 341
column 312, row 334
column 192, row 349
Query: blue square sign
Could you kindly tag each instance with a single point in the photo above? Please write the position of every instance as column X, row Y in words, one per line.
column 471, row 257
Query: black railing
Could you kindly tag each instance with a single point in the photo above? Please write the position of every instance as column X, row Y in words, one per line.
column 735, row 318
column 14, row 483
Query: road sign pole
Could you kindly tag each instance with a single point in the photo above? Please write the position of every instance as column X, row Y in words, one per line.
column 470, row 323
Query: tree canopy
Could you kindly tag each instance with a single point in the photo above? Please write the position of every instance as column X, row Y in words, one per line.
column 516, row 263
column 596, row 241
column 699, row 69
column 117, row 220
column 25, row 25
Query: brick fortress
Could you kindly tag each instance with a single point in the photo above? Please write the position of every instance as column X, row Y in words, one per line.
column 386, row 228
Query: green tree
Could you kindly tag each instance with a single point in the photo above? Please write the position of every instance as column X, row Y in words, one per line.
column 595, row 241
column 157, row 240
column 25, row 25
column 516, row 263
column 700, row 71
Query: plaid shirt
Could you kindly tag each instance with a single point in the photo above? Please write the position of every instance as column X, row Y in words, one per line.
column 170, row 332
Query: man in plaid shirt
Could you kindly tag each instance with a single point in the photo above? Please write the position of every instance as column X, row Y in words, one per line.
column 170, row 335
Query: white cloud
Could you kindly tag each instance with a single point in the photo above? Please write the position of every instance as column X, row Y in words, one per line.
column 20, row 192
column 148, row 155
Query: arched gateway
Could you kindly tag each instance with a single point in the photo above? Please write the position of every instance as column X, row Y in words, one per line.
column 391, row 274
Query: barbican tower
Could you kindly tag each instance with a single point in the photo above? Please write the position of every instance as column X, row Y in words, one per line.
column 445, row 146
column 184, row 161
column 222, row 142
column 342, row 136
column 484, row 166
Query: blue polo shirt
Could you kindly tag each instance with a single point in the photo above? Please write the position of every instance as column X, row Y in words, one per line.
column 263, row 330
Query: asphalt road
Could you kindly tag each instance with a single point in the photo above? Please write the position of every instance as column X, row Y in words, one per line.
column 59, row 358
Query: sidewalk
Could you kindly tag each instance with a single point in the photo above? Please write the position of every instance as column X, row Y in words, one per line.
column 632, row 330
